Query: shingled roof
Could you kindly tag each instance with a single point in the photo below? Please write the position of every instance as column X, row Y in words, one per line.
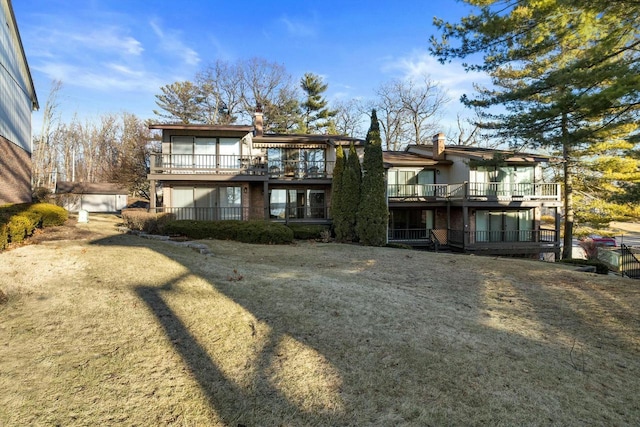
column 68, row 187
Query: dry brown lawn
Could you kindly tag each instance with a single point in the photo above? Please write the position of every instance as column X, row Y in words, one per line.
column 99, row 327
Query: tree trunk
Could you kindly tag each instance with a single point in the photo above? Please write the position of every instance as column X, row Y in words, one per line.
column 568, row 192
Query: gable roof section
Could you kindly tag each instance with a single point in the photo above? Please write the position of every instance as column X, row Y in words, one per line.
column 13, row 25
column 69, row 187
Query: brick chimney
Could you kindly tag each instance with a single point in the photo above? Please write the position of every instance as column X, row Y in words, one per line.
column 438, row 146
column 258, row 127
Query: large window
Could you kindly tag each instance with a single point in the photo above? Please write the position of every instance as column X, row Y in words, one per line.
column 410, row 224
column 308, row 162
column 504, row 226
column 297, row 204
column 502, row 180
column 406, row 183
column 207, row 203
column 205, row 153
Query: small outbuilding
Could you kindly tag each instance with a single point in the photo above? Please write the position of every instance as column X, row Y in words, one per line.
column 91, row 196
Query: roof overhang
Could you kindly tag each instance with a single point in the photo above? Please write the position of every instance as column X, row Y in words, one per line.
column 201, row 127
column 404, row 159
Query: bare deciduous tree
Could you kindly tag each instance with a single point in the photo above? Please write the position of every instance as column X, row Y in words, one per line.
column 44, row 152
column 350, row 117
column 408, row 111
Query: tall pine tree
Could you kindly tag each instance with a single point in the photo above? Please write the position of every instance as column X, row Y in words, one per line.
column 373, row 214
column 350, row 198
column 566, row 72
column 337, row 205
column 316, row 115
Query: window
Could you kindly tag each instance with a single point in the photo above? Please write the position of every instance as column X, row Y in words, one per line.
column 410, row 224
column 504, row 226
column 502, row 180
column 205, row 153
column 307, row 162
column 207, row 203
column 406, row 183
column 297, row 204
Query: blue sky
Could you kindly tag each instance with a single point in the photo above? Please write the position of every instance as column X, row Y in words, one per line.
column 114, row 56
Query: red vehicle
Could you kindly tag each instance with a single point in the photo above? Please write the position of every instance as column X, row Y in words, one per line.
column 602, row 242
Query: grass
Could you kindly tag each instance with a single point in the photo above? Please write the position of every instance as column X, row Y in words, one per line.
column 110, row 328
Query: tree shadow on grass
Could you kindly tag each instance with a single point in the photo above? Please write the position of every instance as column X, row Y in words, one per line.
column 402, row 379
column 236, row 405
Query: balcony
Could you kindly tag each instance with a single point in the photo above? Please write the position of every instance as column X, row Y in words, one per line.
column 505, row 191
column 211, row 164
column 418, row 190
column 302, row 169
column 477, row 191
column 228, row 164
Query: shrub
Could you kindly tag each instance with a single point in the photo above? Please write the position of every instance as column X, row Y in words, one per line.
column 243, row 231
column 19, row 221
column 19, row 228
column 308, row 231
column 50, row 214
column 141, row 220
column 4, row 235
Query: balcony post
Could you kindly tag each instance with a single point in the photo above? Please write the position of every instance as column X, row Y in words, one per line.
column 465, row 226
column 265, row 199
column 152, row 196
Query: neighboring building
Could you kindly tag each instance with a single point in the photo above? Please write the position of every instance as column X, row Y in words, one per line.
column 471, row 199
column 91, row 196
column 17, row 101
column 209, row 172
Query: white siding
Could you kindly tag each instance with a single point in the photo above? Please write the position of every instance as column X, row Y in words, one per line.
column 15, row 86
column 96, row 202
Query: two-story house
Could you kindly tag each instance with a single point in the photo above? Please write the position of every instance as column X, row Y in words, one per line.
column 17, row 101
column 211, row 172
column 472, row 199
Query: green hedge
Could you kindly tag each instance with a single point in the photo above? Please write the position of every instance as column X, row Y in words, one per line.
column 308, row 231
column 242, row 231
column 19, row 221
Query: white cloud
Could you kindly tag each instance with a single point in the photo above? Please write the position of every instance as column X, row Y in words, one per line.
column 170, row 42
column 105, row 78
column 451, row 77
column 298, row 28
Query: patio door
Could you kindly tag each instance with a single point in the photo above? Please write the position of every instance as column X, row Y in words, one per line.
column 229, row 151
column 204, row 152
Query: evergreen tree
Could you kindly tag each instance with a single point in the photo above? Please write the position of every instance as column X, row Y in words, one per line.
column 373, row 214
column 567, row 73
column 316, row 116
column 350, row 197
column 181, row 102
column 337, row 210
column 352, row 187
